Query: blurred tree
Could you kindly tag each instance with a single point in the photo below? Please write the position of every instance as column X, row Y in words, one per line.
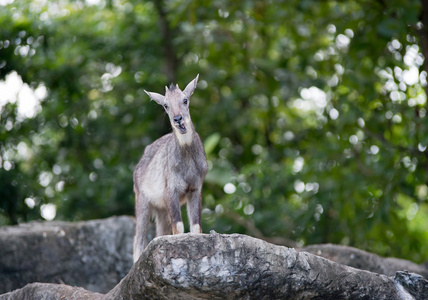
column 312, row 113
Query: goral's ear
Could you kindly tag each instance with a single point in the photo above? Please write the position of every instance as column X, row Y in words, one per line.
column 155, row 96
column 190, row 88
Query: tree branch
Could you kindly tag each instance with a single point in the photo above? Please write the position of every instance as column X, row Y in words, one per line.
column 255, row 232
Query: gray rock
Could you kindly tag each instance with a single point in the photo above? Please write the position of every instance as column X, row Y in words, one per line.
column 364, row 260
column 235, row 266
column 412, row 286
column 97, row 254
column 94, row 255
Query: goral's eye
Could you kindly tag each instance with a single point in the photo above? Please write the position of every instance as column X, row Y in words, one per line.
column 166, row 106
column 185, row 101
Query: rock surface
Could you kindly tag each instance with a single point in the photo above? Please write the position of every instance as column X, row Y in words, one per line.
column 97, row 254
column 216, row 266
column 364, row 260
column 235, row 266
column 94, row 255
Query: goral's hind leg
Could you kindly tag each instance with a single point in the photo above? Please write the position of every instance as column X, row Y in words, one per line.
column 142, row 218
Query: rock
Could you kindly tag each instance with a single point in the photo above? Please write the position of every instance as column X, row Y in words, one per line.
column 360, row 259
column 94, row 255
column 51, row 291
column 411, row 285
column 216, row 266
column 97, row 254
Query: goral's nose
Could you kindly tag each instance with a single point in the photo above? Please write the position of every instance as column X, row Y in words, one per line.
column 178, row 119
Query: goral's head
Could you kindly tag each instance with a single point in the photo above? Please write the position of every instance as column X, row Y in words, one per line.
column 176, row 104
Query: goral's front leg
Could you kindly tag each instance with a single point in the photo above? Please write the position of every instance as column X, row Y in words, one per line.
column 194, row 208
column 173, row 207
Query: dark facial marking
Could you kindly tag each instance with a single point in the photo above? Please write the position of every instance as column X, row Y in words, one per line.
column 172, row 87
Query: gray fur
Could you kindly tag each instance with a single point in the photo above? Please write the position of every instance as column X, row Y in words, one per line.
column 171, row 172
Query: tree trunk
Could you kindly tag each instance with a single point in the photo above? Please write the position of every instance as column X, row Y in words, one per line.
column 171, row 60
column 423, row 35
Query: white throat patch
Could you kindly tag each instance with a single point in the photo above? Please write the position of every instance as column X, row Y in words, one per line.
column 184, row 139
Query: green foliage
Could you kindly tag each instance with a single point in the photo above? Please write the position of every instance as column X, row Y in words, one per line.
column 314, row 128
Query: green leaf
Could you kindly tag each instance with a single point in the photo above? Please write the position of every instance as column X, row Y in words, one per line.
column 211, row 142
